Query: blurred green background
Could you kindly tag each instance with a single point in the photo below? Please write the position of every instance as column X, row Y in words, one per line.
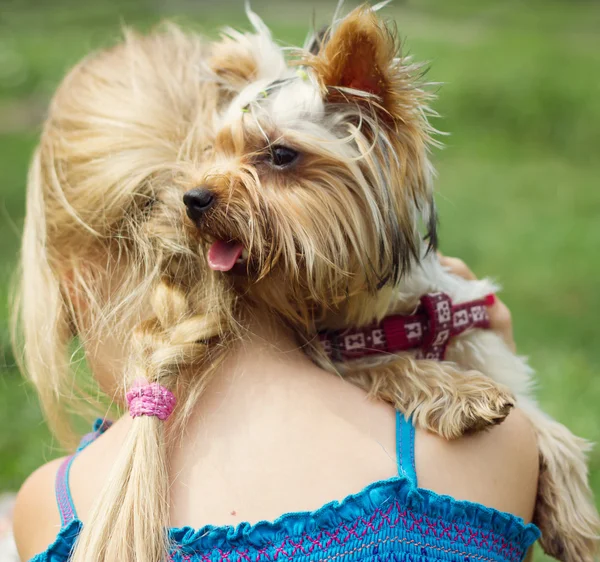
column 519, row 190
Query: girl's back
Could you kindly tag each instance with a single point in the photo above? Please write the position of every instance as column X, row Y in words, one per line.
column 275, row 435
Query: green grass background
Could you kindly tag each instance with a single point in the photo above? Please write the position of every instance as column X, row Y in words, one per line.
column 518, row 187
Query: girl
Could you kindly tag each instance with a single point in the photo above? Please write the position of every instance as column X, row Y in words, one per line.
column 231, row 424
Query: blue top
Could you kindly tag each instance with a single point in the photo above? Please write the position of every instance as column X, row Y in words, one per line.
column 389, row 520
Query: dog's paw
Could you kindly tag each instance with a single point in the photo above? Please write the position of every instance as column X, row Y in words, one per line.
column 476, row 403
column 481, row 413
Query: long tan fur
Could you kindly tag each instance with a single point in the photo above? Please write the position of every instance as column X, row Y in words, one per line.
column 440, row 397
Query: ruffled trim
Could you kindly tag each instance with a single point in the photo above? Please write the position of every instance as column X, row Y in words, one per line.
column 333, row 514
column 378, row 495
column 60, row 549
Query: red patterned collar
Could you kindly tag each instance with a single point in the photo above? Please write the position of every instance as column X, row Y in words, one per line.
column 428, row 330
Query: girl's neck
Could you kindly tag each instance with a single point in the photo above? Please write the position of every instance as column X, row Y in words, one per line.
column 267, row 344
column 267, row 361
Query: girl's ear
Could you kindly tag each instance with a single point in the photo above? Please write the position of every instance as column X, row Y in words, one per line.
column 73, row 291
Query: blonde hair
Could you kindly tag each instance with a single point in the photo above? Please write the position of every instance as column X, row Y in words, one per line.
column 117, row 128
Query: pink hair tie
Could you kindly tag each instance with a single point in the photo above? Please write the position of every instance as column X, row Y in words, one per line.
column 150, row 399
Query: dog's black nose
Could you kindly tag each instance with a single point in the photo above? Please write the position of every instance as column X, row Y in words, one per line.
column 198, row 201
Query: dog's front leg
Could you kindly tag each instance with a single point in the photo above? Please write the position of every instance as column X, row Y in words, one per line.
column 439, row 396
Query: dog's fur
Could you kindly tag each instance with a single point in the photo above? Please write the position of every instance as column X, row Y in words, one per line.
column 334, row 240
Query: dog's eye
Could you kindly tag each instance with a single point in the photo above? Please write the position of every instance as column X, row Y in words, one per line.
column 282, row 156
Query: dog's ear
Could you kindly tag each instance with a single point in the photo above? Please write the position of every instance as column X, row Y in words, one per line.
column 240, row 58
column 359, row 59
column 234, row 61
column 358, row 55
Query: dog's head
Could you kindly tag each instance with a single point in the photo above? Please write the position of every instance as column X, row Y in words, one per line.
column 318, row 175
column 304, row 177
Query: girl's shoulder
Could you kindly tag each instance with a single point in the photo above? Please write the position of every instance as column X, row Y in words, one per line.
column 497, row 467
column 36, row 520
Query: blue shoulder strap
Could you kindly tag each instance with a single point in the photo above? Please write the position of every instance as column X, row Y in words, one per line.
column 66, row 507
column 405, row 448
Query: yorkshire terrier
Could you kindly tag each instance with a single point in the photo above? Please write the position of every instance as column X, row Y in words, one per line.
column 307, row 184
column 314, row 188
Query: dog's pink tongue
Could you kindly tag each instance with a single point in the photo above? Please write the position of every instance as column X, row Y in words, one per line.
column 223, row 255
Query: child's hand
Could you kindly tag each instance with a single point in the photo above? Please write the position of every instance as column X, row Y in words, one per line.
column 500, row 318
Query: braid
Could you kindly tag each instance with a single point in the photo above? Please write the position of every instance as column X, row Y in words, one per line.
column 175, row 347
column 171, row 348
